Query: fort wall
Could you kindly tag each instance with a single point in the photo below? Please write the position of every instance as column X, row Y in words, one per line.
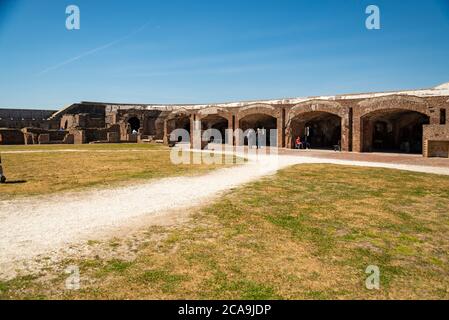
column 407, row 121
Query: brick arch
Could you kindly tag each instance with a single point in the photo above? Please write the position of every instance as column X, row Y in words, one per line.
column 170, row 122
column 178, row 113
column 220, row 112
column 393, row 103
column 125, row 125
column 259, row 108
column 135, row 123
column 320, row 106
column 204, row 113
column 220, row 121
column 132, row 114
column 316, row 106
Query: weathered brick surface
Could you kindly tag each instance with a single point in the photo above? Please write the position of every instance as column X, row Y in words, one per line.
column 436, row 141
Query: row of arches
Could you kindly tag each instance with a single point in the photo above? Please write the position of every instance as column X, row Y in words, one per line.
column 253, row 122
column 323, row 124
column 393, row 131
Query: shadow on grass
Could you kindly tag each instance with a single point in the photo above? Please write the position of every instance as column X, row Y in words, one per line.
column 15, row 182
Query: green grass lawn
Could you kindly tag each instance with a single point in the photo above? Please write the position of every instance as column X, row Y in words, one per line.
column 55, row 168
column 309, row 232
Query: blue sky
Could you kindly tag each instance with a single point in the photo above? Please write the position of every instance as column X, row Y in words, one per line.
column 204, row 51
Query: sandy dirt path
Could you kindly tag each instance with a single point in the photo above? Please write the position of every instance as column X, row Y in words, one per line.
column 41, row 225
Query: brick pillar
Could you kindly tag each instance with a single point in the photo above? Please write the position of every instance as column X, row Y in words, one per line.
column 197, row 135
column 357, row 137
column 288, row 135
column 192, row 129
column 288, row 138
column 237, row 132
column 166, row 132
column 287, row 132
column 280, row 131
column 345, row 132
column 230, row 137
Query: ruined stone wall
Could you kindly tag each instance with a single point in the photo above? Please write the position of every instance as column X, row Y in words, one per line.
column 151, row 123
column 82, row 120
column 21, row 118
column 102, row 135
column 11, row 137
column 41, row 136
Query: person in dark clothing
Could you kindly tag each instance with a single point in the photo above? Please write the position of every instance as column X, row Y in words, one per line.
column 2, row 177
column 257, row 138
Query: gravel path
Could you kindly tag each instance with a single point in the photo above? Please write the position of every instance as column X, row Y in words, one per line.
column 40, row 225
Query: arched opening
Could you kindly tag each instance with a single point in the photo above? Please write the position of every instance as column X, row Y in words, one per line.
column 259, row 126
column 218, row 123
column 394, row 130
column 179, row 122
column 317, row 130
column 66, row 125
column 134, row 124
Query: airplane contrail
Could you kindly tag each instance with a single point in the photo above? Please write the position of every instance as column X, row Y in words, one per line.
column 87, row 53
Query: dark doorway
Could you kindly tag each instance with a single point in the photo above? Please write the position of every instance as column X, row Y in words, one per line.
column 399, row 131
column 134, row 123
column 218, row 123
column 319, row 130
column 180, row 122
column 259, row 126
